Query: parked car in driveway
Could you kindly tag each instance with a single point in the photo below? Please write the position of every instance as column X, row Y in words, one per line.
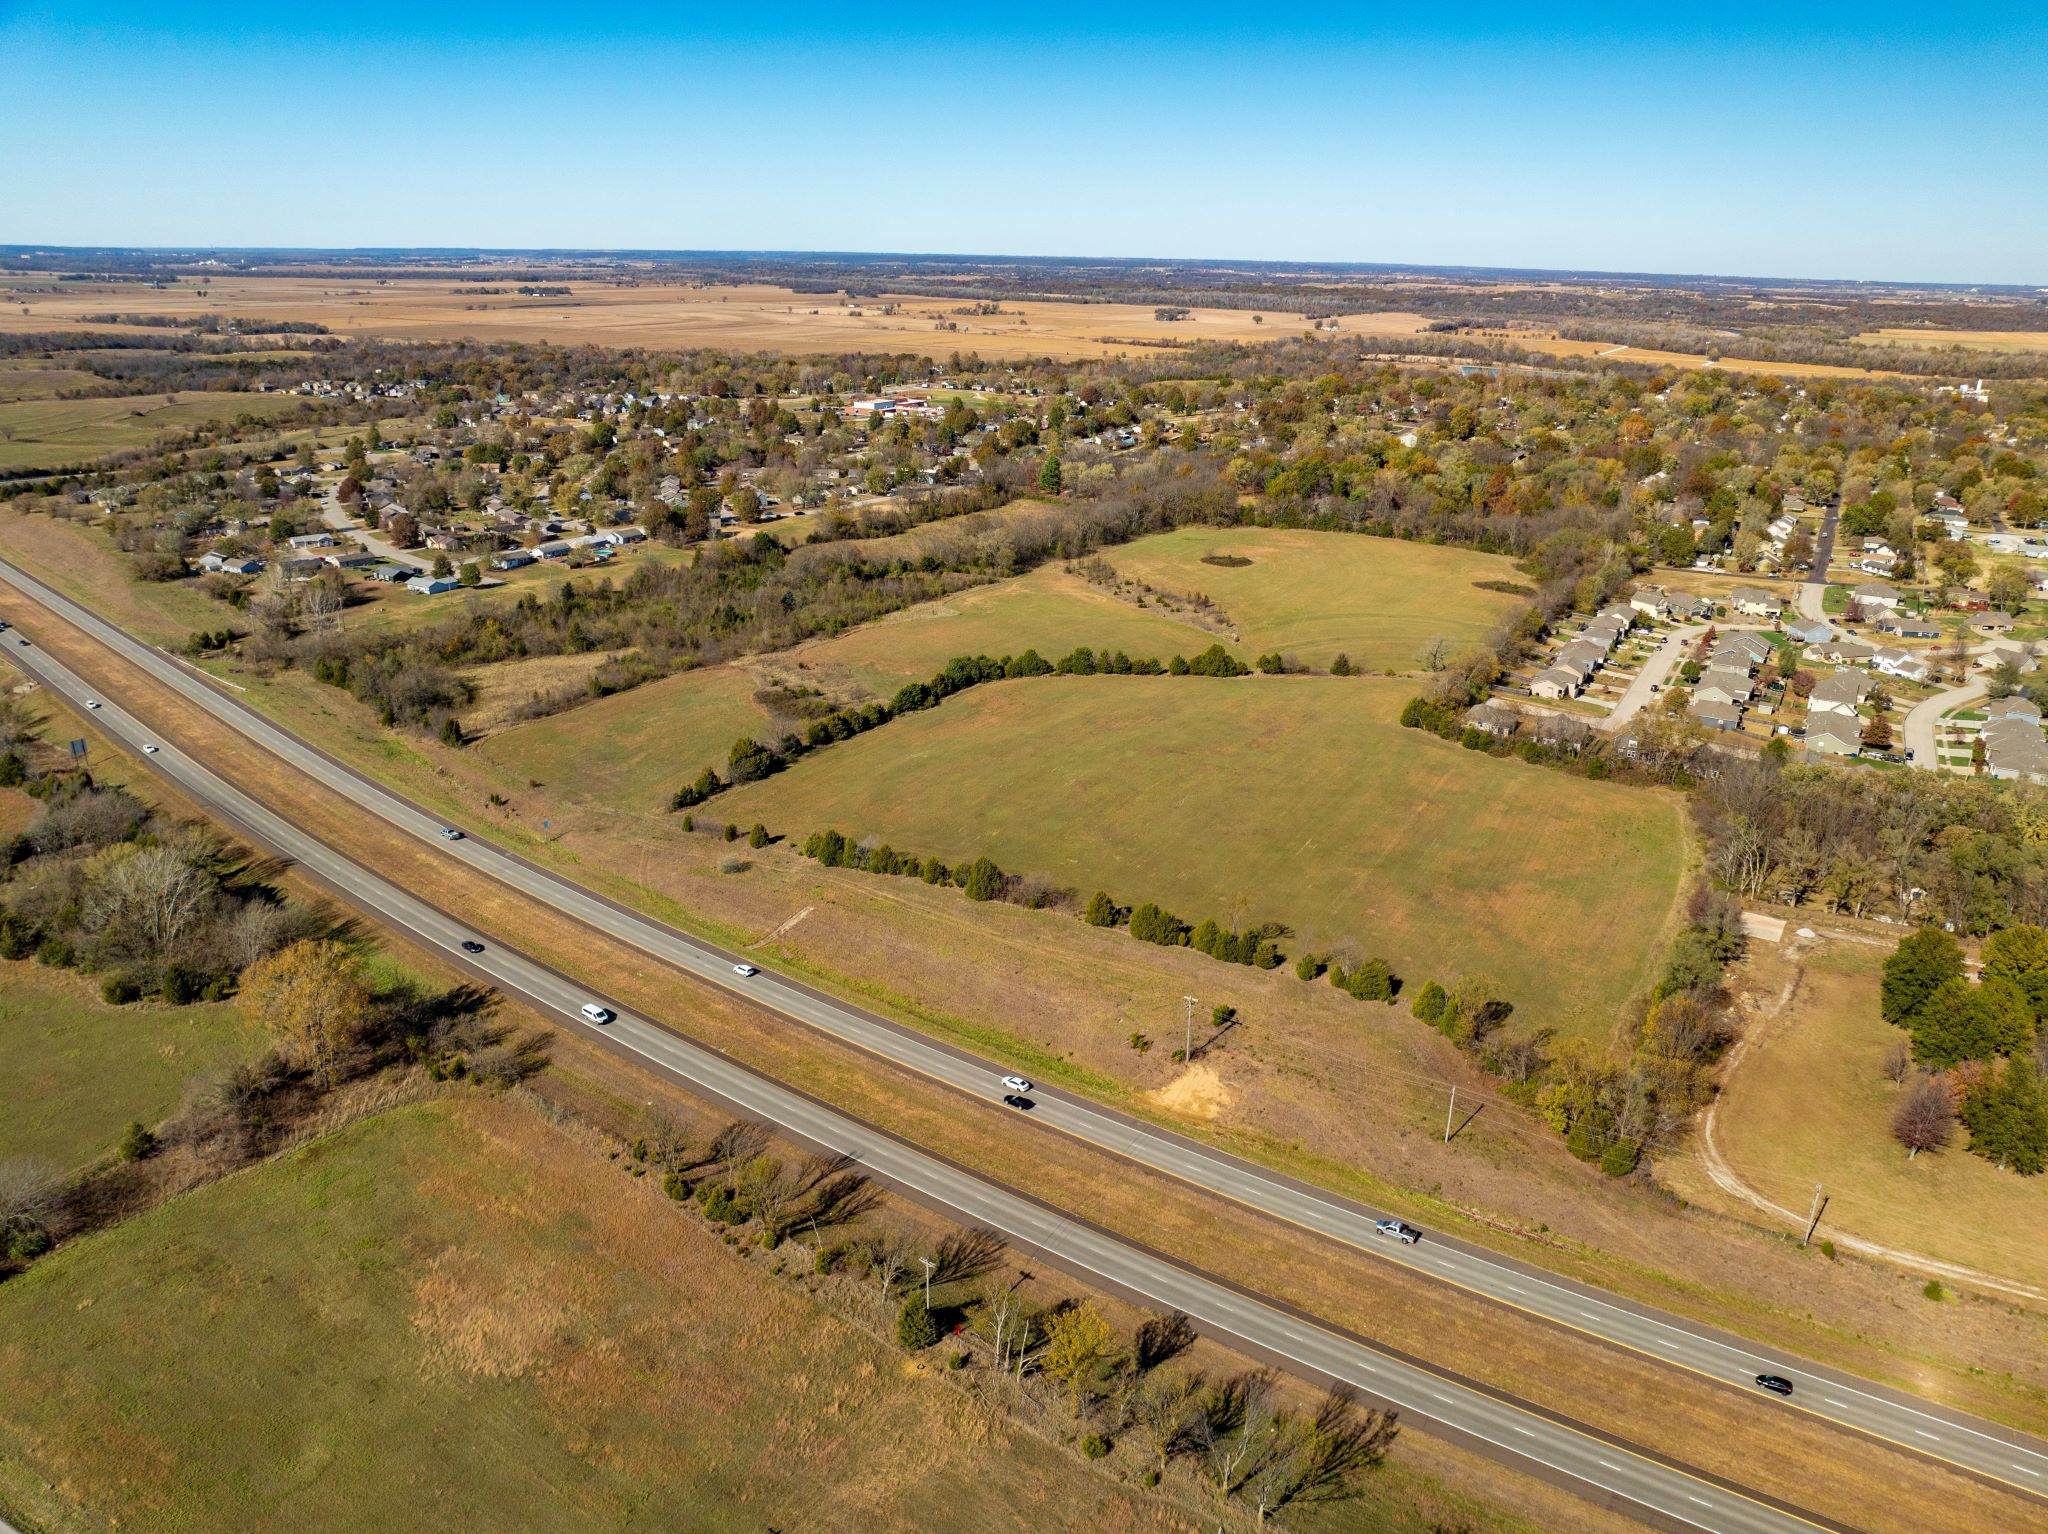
column 1400, row 1230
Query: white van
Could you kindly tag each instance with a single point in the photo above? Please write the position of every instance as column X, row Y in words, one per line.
column 596, row 1014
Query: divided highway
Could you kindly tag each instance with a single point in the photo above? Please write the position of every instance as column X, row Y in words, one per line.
column 1983, row 1448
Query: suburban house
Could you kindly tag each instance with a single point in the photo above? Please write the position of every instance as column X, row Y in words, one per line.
column 1620, row 614
column 514, row 559
column 1950, row 519
column 1834, row 735
column 1561, row 733
column 1967, row 599
column 1900, row 663
column 1908, row 626
column 1876, row 594
column 2007, row 655
column 230, row 564
column 1557, row 682
column 1724, row 687
column 1876, row 562
column 432, row 585
column 389, row 573
column 1496, row 719
column 1754, row 602
column 350, row 559
column 1842, row 693
column 2013, row 748
column 1717, row 716
column 1843, row 652
column 1601, row 633
column 1582, row 656
column 1809, row 631
column 554, row 548
column 2014, row 707
column 1653, row 602
column 301, row 569
column 313, row 541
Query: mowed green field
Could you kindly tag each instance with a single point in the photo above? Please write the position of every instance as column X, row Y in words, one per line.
column 26, row 378
column 449, row 1317
column 74, row 1071
column 38, row 433
column 1810, row 1103
column 632, row 749
column 1301, row 797
column 1311, row 595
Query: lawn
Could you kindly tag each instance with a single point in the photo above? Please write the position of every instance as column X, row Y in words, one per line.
column 452, row 1317
column 47, row 433
column 1296, row 799
column 1314, row 594
column 1810, row 1103
column 630, row 750
column 74, row 1071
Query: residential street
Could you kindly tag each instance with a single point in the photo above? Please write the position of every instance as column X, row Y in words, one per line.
column 340, row 521
column 1655, row 672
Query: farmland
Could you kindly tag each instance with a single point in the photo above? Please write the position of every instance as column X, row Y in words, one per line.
column 1809, row 1103
column 626, row 750
column 1312, row 594
column 1168, row 789
column 74, row 1071
column 675, row 315
column 46, row 432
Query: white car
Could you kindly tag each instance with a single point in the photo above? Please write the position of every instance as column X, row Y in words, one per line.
column 450, row 834
column 745, row 971
column 149, row 750
column 92, row 702
column 1016, row 1084
column 597, row 1014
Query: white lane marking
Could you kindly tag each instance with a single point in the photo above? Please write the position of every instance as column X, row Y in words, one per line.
column 2028, row 1470
column 1525, row 1432
column 1833, row 1402
column 1703, row 1502
column 1925, row 1434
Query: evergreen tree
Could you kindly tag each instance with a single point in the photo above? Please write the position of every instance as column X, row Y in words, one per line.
column 1917, row 968
column 2007, row 1115
column 758, row 837
column 1429, row 1003
column 984, row 880
column 1341, row 666
column 1050, row 475
column 915, row 1328
column 1101, row 910
column 1307, row 967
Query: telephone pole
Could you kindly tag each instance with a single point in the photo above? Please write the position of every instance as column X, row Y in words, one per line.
column 1813, row 1219
column 1187, row 1054
column 1449, row 1112
column 928, row 1266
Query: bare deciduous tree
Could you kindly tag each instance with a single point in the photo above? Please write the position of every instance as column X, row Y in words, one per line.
column 1925, row 1117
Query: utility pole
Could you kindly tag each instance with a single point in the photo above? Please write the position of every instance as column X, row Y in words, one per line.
column 1187, row 1055
column 1449, row 1112
column 928, row 1266
column 1813, row 1219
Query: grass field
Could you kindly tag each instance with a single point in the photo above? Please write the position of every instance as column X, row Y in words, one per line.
column 745, row 318
column 1975, row 340
column 29, row 378
column 38, row 433
column 1810, row 1103
column 1301, row 798
column 448, row 1318
column 1312, row 594
column 631, row 749
column 74, row 1071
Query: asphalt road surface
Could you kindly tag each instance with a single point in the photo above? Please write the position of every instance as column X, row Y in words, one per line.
column 1984, row 1448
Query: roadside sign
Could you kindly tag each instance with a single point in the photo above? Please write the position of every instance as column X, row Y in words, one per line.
column 78, row 748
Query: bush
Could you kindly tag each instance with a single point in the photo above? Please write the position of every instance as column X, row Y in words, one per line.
column 23, row 1244
column 1934, row 1291
column 1620, row 1158
column 732, row 832
column 758, row 837
column 675, row 1186
column 915, row 1328
column 117, row 990
column 1150, row 924
column 722, row 1206
column 1371, row 981
column 136, row 1141
column 1429, row 1003
column 1095, row 1446
column 1101, row 912
column 451, row 731
column 984, row 880
column 1307, row 967
column 56, row 953
column 691, row 794
column 180, row 986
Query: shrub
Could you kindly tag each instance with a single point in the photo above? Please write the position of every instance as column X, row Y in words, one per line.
column 1371, row 981
column 1265, row 955
column 691, row 794
column 732, row 832
column 722, row 1205
column 957, row 1362
column 26, row 1243
column 1620, row 1158
column 915, row 1328
column 984, row 880
column 1101, row 912
column 1934, row 1291
column 1341, row 666
column 1429, row 1003
column 1150, row 924
column 733, row 863
column 116, row 990
column 180, row 986
column 758, row 837
column 451, row 731
column 1095, row 1446
column 136, row 1141
column 16, row 938
column 675, row 1186
column 1307, row 967
column 934, row 872
column 56, row 953
column 1827, row 1250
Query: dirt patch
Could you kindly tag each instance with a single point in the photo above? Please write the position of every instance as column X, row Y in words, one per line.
column 1197, row 1092
column 1227, row 561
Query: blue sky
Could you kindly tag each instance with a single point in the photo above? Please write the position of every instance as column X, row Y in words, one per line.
column 1850, row 141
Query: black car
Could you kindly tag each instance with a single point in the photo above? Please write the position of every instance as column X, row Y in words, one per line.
column 471, row 945
column 1776, row 1384
column 1018, row 1100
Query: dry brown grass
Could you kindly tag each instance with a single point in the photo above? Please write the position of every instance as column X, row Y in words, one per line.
column 674, row 315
